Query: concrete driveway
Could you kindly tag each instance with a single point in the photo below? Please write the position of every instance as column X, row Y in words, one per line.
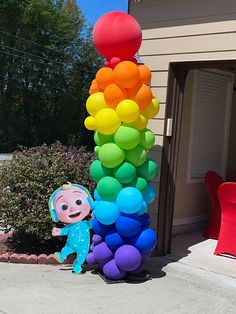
column 175, row 288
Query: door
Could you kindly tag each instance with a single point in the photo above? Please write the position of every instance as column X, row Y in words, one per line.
column 204, row 141
column 170, row 153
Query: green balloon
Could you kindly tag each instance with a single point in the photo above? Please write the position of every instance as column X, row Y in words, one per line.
column 98, row 171
column 136, row 156
column 108, row 188
column 147, row 139
column 125, row 173
column 101, row 139
column 127, row 137
column 111, row 155
column 96, row 149
column 140, row 184
column 148, row 170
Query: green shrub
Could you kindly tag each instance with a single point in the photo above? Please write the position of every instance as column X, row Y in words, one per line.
column 27, row 181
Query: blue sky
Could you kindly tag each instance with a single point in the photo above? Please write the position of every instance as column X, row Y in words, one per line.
column 93, row 9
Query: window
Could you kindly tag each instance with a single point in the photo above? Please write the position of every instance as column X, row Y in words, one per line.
column 211, row 105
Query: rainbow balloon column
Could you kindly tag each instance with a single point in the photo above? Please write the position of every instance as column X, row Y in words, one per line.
column 120, row 104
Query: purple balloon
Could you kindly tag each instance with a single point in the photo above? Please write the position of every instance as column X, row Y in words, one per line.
column 146, row 256
column 112, row 271
column 91, row 247
column 128, row 258
column 91, row 259
column 137, row 270
column 96, row 239
column 102, row 253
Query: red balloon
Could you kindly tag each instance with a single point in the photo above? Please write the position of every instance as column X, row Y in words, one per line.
column 117, row 34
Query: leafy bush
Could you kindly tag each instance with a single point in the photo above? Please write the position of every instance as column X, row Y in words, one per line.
column 27, row 181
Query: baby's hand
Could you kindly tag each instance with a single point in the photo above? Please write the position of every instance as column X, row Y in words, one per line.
column 55, row 232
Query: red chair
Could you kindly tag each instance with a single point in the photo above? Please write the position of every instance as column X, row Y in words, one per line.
column 227, row 237
column 212, row 182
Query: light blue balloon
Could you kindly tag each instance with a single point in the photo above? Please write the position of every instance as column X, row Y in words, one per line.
column 106, row 212
column 150, row 194
column 97, row 196
column 143, row 210
column 129, row 200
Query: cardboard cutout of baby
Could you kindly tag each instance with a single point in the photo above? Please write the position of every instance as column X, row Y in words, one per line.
column 71, row 204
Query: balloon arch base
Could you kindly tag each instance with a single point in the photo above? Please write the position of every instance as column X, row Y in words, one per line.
column 138, row 278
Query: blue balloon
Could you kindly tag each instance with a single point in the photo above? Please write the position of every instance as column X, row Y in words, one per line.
column 129, row 200
column 106, row 212
column 143, row 209
column 150, row 194
column 145, row 219
column 114, row 240
column 128, row 225
column 145, row 241
column 99, row 228
column 97, row 196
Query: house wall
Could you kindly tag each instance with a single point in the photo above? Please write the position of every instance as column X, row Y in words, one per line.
column 181, row 30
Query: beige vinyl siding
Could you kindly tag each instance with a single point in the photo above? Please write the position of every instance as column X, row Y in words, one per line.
column 188, row 30
column 165, row 13
column 159, row 78
column 189, row 44
column 181, row 30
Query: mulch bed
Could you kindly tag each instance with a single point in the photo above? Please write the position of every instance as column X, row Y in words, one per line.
column 11, row 251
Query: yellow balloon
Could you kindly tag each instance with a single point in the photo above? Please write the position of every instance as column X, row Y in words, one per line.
column 151, row 110
column 107, row 121
column 89, row 123
column 95, row 102
column 128, row 110
column 140, row 123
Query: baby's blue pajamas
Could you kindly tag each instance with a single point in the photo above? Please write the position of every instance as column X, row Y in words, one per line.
column 78, row 241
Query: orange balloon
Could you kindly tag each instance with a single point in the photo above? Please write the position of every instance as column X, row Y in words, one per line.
column 131, row 92
column 105, row 77
column 114, row 94
column 94, row 88
column 126, row 74
column 143, row 96
column 145, row 74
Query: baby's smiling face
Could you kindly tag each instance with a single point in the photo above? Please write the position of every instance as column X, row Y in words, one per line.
column 71, row 205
